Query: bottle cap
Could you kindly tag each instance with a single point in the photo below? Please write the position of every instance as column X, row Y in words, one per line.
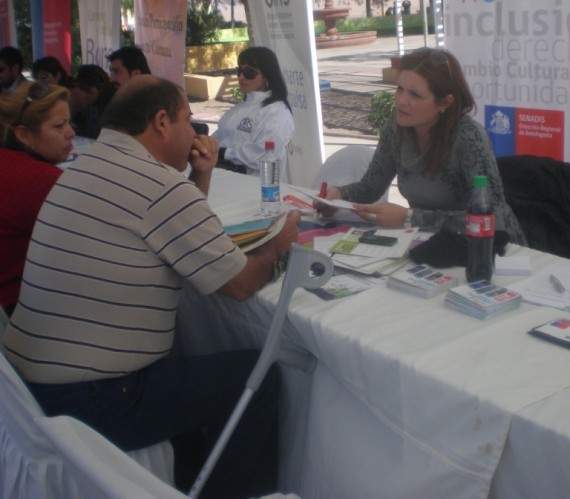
column 269, row 145
column 480, row 181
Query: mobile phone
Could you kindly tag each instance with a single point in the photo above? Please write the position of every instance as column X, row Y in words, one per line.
column 379, row 240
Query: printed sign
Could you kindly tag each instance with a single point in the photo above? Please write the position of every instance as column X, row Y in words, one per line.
column 515, row 57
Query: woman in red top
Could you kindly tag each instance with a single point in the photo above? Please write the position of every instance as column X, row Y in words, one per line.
column 35, row 134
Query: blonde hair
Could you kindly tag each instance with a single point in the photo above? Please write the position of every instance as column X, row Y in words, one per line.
column 29, row 105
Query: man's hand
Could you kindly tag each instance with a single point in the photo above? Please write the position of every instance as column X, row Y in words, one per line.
column 260, row 261
column 203, row 158
column 204, row 153
column 288, row 234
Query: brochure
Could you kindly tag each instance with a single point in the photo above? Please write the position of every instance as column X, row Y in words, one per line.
column 422, row 281
column 557, row 331
column 482, row 299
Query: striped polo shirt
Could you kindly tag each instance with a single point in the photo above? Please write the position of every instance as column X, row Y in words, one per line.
column 110, row 249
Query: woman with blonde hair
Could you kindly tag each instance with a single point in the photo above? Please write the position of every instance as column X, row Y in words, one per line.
column 35, row 134
column 435, row 148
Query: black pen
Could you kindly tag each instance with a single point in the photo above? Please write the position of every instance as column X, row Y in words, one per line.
column 558, row 286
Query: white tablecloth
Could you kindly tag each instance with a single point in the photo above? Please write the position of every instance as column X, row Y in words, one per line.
column 409, row 399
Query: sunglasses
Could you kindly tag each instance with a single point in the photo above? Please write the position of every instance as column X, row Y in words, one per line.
column 37, row 91
column 248, row 73
column 438, row 56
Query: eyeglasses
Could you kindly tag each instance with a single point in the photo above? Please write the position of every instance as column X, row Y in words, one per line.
column 37, row 90
column 248, row 73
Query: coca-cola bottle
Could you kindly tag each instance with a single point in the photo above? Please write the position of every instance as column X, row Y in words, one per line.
column 480, row 231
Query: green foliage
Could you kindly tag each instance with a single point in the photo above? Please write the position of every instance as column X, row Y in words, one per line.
column 237, row 94
column 383, row 25
column 382, row 106
column 203, row 24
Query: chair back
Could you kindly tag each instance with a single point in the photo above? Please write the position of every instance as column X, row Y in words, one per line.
column 30, row 464
column 538, row 191
column 345, row 166
column 100, row 469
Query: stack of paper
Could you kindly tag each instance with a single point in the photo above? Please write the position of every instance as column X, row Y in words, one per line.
column 421, row 281
column 482, row 299
column 253, row 233
column 540, row 290
column 348, row 253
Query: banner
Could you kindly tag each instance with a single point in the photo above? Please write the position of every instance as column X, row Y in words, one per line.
column 516, row 57
column 286, row 27
column 7, row 25
column 160, row 31
column 100, row 26
column 57, row 31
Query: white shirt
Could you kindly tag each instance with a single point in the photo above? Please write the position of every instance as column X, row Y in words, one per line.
column 244, row 129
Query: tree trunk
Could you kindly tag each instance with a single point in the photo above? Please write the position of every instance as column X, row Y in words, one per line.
column 368, row 8
column 248, row 21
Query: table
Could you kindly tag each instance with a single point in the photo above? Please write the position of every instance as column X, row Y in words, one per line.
column 409, row 399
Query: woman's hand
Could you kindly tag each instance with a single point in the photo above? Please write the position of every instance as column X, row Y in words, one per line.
column 387, row 215
column 325, row 210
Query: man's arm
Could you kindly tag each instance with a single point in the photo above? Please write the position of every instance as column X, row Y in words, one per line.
column 260, row 262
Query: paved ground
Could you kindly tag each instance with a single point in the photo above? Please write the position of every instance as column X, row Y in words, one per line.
column 346, row 113
column 354, row 74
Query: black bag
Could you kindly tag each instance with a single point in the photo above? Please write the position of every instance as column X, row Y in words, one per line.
column 448, row 247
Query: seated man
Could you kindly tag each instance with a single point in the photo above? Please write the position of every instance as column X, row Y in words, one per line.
column 11, row 66
column 94, row 325
column 127, row 62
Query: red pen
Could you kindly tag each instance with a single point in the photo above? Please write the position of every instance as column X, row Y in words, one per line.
column 323, row 192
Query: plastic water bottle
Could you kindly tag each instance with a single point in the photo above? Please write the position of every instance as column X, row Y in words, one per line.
column 480, row 231
column 269, row 168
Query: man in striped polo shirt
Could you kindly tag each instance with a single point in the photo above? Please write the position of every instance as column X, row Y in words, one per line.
column 116, row 238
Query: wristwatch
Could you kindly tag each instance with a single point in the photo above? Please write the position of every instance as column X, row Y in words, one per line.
column 279, row 266
column 408, row 219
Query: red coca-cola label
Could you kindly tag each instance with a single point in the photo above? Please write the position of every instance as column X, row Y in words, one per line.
column 480, row 225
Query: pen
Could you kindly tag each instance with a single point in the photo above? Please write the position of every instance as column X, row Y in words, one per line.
column 557, row 284
column 323, row 192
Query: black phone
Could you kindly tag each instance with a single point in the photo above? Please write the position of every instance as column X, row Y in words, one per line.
column 379, row 240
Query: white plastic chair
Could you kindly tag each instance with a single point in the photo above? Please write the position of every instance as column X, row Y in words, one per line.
column 99, row 468
column 345, row 166
column 30, row 465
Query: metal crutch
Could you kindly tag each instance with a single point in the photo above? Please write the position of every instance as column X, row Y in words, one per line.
column 307, row 268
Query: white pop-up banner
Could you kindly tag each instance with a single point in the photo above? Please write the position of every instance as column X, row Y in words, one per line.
column 100, row 26
column 286, row 27
column 516, row 57
column 160, row 31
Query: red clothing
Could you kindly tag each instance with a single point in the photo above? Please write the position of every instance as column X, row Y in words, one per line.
column 24, row 184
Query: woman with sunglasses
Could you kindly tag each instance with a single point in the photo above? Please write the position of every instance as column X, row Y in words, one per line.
column 434, row 148
column 35, row 134
column 265, row 115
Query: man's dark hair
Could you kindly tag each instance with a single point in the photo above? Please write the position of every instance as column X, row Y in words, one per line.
column 12, row 56
column 52, row 65
column 132, row 58
column 133, row 108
